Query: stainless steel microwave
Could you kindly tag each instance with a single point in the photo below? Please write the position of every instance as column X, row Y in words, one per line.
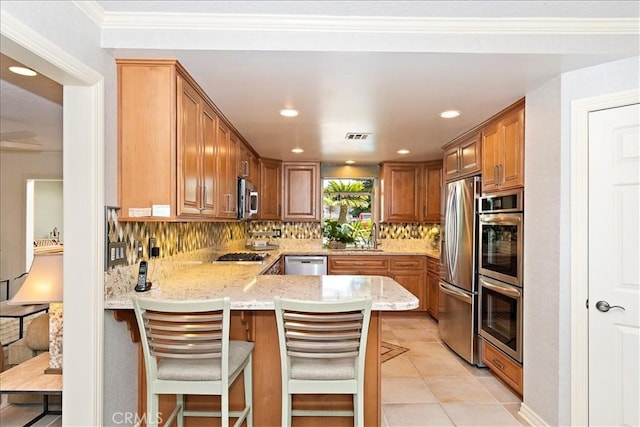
column 247, row 199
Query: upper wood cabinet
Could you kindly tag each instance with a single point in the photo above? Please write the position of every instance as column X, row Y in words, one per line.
column 400, row 192
column 462, row 157
column 196, row 140
column 226, row 189
column 248, row 166
column 302, row 191
column 176, row 153
column 432, row 181
column 270, row 194
column 159, row 142
column 503, row 150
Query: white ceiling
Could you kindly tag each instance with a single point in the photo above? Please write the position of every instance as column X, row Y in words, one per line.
column 387, row 67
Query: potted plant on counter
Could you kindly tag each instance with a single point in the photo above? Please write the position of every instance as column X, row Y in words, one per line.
column 338, row 235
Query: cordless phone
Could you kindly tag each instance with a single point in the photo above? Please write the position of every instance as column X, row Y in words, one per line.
column 142, row 285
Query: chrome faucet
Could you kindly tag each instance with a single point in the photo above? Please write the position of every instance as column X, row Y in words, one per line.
column 373, row 237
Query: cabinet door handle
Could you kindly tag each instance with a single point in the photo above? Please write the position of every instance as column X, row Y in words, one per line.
column 202, row 198
column 498, row 364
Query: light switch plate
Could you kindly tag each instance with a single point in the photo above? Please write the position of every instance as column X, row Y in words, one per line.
column 117, row 254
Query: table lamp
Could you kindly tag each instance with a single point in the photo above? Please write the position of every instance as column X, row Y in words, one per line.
column 43, row 285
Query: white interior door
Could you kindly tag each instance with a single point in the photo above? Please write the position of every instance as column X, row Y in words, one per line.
column 614, row 266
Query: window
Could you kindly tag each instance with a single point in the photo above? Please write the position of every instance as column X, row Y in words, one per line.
column 350, row 202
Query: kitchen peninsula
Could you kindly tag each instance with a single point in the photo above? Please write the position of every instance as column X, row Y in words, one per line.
column 253, row 319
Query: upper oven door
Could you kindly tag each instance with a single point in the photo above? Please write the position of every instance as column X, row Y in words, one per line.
column 500, row 254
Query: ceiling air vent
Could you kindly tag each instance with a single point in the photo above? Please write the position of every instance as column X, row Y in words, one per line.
column 357, row 136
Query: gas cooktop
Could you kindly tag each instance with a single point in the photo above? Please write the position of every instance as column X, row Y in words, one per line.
column 243, row 257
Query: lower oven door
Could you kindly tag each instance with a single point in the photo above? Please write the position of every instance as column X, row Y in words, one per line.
column 501, row 316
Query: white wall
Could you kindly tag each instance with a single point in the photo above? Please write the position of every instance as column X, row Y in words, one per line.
column 47, row 206
column 547, row 373
column 15, row 169
column 541, row 249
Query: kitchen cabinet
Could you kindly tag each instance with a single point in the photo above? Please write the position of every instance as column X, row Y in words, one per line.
column 503, row 366
column 433, row 287
column 363, row 265
column 176, row 152
column 432, row 180
column 503, row 150
column 462, row 156
column 400, row 192
column 248, row 166
column 409, row 271
column 227, row 178
column 302, row 191
column 196, row 141
column 270, row 194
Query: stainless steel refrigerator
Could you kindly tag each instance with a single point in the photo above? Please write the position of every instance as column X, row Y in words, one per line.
column 458, row 305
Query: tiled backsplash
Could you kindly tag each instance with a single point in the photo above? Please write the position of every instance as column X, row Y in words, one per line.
column 227, row 235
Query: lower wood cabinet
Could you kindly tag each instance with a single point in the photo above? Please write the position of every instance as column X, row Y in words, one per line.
column 503, row 366
column 433, row 287
column 409, row 271
column 364, row 265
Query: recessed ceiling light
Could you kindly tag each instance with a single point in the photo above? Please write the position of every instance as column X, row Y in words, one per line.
column 350, row 162
column 449, row 114
column 403, row 151
column 297, row 150
column 23, row 71
column 288, row 112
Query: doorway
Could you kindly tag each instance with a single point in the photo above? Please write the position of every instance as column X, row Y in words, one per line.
column 83, row 201
column 580, row 175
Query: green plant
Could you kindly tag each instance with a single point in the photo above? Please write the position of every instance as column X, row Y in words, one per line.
column 336, row 232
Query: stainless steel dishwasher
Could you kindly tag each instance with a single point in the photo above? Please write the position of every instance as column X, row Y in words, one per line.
column 305, row 265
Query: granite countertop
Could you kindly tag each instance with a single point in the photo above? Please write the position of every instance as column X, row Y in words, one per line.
column 196, row 276
column 250, row 291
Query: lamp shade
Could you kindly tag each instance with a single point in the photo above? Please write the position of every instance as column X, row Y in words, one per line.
column 44, row 281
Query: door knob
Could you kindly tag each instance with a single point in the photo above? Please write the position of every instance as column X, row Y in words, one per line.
column 604, row 306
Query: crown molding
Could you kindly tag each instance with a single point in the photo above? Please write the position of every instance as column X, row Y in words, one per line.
column 382, row 25
column 92, row 9
column 54, row 62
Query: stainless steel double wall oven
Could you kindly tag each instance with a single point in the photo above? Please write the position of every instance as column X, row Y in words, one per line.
column 500, row 271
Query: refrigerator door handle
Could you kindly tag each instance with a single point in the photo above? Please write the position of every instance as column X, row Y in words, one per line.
column 452, row 235
column 451, row 291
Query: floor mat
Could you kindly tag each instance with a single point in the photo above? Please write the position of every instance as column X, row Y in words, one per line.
column 388, row 351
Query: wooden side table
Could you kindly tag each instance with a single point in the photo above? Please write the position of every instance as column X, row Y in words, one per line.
column 29, row 377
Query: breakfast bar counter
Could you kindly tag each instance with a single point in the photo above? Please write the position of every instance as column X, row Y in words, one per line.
column 253, row 319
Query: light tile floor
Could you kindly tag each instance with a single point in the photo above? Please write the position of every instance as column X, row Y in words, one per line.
column 427, row 386
column 432, row 386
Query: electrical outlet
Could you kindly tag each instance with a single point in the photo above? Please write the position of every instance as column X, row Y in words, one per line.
column 179, row 243
column 152, row 244
column 277, row 232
